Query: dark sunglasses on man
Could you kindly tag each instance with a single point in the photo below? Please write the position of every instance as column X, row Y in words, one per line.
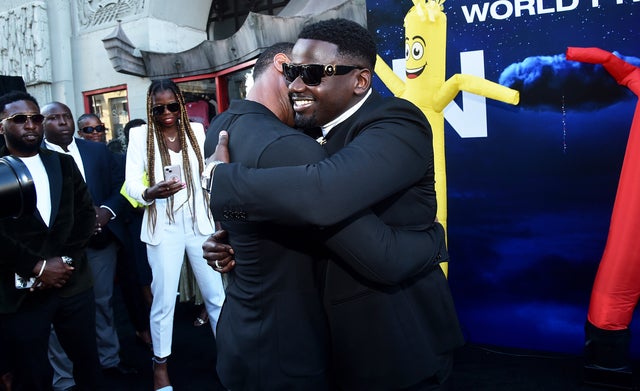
column 20, row 119
column 173, row 107
column 312, row 74
column 91, row 129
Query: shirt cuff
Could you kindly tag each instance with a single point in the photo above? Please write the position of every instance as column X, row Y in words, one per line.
column 110, row 210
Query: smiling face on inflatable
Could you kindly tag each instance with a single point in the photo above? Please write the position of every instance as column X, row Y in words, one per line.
column 414, row 54
column 425, row 41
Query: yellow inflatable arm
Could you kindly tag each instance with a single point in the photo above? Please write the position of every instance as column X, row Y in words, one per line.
column 394, row 83
column 474, row 84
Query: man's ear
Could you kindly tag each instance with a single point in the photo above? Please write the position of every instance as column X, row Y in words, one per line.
column 363, row 81
column 280, row 59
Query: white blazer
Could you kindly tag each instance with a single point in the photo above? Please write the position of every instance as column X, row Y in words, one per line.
column 135, row 170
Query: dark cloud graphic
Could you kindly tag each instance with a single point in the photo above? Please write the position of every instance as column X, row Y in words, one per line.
column 543, row 81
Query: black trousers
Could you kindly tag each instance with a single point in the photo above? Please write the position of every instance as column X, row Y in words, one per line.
column 27, row 334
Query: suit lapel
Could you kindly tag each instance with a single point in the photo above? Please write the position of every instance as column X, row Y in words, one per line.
column 51, row 163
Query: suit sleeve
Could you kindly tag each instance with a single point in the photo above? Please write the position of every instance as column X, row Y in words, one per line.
column 115, row 201
column 384, row 254
column 84, row 215
column 135, row 166
column 376, row 251
column 16, row 258
column 389, row 155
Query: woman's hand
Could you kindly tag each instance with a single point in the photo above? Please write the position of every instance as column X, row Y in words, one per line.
column 164, row 189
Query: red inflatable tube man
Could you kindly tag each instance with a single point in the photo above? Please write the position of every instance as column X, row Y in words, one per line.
column 617, row 284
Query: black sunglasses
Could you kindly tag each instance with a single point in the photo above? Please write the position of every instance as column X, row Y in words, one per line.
column 172, row 107
column 312, row 74
column 20, row 119
column 91, row 129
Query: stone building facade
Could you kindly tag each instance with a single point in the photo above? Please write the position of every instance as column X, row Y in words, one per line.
column 100, row 55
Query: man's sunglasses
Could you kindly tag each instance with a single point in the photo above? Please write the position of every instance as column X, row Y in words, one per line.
column 91, row 129
column 172, row 107
column 20, row 119
column 312, row 74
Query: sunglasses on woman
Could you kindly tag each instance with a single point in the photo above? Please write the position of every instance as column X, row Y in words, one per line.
column 312, row 74
column 172, row 107
column 91, row 129
column 20, row 119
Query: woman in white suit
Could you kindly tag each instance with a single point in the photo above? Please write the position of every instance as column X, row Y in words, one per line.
column 177, row 216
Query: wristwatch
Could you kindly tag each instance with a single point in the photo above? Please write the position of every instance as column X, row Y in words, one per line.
column 206, row 178
column 67, row 260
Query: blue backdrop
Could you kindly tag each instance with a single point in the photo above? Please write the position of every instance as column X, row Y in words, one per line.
column 530, row 203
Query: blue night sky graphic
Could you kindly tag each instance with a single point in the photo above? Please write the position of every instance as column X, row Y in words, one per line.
column 529, row 205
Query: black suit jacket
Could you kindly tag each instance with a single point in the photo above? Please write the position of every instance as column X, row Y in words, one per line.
column 27, row 240
column 385, row 335
column 272, row 333
column 104, row 177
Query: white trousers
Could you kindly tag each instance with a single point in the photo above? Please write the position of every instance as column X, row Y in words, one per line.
column 166, row 260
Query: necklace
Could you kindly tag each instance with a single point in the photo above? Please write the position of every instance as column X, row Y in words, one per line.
column 172, row 139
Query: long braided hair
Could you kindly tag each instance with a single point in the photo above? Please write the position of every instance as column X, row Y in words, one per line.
column 184, row 132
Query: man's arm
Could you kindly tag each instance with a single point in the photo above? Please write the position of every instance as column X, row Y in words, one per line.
column 115, row 201
column 391, row 154
column 378, row 252
column 383, row 254
column 84, row 216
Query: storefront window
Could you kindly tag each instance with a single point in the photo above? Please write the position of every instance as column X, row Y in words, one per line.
column 111, row 105
column 200, row 99
column 238, row 83
column 210, row 94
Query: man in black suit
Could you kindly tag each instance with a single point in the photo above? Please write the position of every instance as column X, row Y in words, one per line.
column 49, row 245
column 384, row 337
column 272, row 332
column 104, row 178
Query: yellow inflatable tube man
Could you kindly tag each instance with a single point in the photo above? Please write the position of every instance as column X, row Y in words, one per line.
column 425, row 50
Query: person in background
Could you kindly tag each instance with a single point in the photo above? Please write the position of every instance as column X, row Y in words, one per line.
column 91, row 128
column 104, row 179
column 176, row 216
column 50, row 247
column 134, row 225
column 119, row 144
column 90, row 125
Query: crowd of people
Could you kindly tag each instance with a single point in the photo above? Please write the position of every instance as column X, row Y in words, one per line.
column 327, row 234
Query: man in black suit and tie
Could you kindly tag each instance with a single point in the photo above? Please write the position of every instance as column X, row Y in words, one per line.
column 50, row 246
column 104, row 178
column 384, row 337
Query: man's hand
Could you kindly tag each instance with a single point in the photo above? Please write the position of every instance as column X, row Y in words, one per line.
column 55, row 274
column 218, row 253
column 222, row 149
column 103, row 216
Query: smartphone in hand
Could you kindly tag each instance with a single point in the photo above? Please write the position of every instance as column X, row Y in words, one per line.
column 173, row 171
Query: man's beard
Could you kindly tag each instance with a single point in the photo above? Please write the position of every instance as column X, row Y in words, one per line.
column 17, row 145
column 305, row 122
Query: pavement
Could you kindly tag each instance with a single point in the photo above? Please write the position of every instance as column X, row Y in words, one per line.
column 476, row 367
column 191, row 364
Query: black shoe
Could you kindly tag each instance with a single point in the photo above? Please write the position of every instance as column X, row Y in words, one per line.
column 120, row 369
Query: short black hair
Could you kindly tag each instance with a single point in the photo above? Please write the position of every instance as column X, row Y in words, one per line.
column 14, row 96
column 87, row 115
column 265, row 59
column 132, row 124
column 352, row 39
